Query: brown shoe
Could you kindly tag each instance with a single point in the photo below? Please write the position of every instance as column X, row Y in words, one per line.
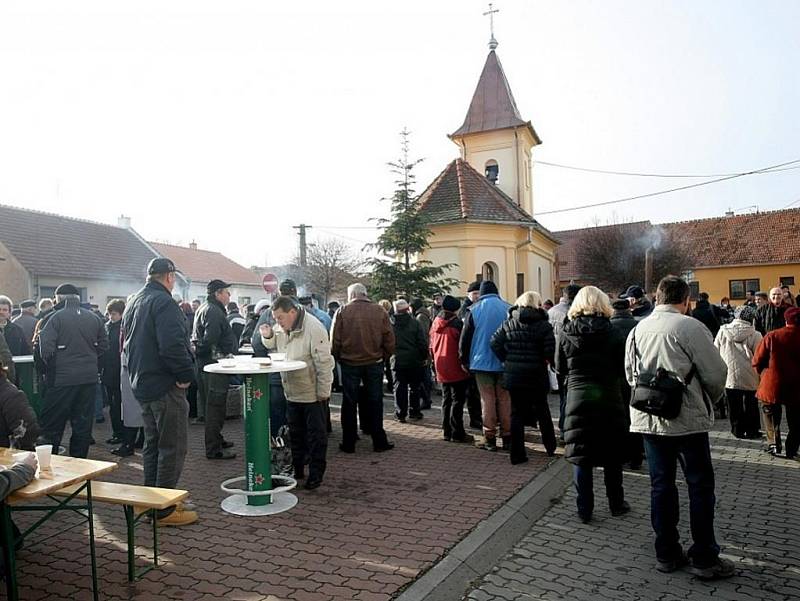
column 179, row 517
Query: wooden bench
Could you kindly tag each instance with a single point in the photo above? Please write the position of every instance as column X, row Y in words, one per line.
column 137, row 503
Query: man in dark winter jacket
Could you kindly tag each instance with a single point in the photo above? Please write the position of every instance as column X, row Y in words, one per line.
column 408, row 362
column 214, row 339
column 423, row 316
column 26, row 320
column 70, row 345
column 110, row 375
column 623, row 322
column 640, row 306
column 770, row 316
column 15, row 336
column 236, row 320
column 156, row 351
column 705, row 314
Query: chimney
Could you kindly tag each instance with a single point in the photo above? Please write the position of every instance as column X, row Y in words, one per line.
column 124, row 222
column 193, row 245
column 729, row 213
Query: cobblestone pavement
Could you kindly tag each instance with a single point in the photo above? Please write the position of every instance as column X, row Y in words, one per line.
column 757, row 523
column 377, row 522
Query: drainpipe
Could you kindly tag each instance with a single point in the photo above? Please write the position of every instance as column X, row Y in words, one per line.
column 516, row 163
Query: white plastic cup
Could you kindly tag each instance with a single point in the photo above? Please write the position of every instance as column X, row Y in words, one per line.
column 43, row 454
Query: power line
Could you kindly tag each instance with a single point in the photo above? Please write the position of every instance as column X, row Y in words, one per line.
column 663, row 175
column 660, row 192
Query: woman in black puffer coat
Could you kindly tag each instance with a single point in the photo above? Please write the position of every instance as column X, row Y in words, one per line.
column 589, row 353
column 525, row 343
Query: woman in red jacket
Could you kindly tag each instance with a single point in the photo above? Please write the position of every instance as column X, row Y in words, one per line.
column 777, row 360
column 445, row 333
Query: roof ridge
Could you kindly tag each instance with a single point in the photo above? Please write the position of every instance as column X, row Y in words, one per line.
column 60, row 216
column 462, row 197
column 744, row 215
column 198, row 249
column 580, row 229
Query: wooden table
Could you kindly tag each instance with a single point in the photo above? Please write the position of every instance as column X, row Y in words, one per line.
column 66, row 471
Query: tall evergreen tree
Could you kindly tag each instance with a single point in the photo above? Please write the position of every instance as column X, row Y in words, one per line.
column 403, row 238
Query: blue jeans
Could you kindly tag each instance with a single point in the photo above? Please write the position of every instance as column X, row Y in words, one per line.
column 694, row 454
column 584, row 487
column 372, row 377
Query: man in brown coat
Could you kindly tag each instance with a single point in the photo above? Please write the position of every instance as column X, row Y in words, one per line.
column 361, row 338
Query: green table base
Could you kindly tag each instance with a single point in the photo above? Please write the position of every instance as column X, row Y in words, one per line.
column 29, row 384
column 258, row 447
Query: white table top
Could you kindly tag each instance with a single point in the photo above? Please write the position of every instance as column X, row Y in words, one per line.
column 249, row 365
column 23, row 359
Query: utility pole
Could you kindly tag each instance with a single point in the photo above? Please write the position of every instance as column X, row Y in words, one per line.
column 302, row 233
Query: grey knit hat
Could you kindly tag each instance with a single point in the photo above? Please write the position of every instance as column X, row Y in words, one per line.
column 745, row 312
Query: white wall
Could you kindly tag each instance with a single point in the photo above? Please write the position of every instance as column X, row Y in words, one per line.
column 97, row 291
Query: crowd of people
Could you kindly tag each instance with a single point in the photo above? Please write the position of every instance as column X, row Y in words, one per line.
column 636, row 376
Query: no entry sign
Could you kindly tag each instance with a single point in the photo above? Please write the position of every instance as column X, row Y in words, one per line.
column 270, row 283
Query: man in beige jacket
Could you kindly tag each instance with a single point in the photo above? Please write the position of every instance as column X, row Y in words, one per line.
column 307, row 390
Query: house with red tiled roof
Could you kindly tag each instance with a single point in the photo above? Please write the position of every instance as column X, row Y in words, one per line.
column 728, row 255
column 736, row 253
column 200, row 266
column 480, row 207
column 39, row 251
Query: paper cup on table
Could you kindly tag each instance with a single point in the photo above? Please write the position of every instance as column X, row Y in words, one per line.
column 43, row 454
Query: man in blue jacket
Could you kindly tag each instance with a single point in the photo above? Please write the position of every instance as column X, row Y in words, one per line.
column 159, row 359
column 481, row 322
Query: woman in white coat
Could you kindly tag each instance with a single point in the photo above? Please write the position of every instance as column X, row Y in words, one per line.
column 737, row 342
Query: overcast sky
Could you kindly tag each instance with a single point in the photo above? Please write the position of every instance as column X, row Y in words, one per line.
column 228, row 122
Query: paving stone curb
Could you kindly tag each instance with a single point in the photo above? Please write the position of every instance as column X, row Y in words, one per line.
column 475, row 555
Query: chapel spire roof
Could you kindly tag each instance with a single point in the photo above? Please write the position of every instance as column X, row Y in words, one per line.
column 493, row 106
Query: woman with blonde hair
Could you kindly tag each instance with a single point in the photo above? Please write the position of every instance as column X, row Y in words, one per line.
column 589, row 353
column 525, row 343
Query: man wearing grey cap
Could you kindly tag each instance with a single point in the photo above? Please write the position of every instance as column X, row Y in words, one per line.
column 26, row 320
column 213, row 339
column 69, row 346
column 160, row 364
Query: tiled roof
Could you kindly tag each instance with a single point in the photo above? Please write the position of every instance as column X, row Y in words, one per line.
column 459, row 193
column 752, row 239
column 567, row 253
column 202, row 266
column 493, row 106
column 54, row 245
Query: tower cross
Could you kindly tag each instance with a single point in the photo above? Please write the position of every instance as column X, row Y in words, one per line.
column 491, row 12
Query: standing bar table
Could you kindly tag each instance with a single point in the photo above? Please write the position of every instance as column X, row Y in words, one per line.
column 28, row 381
column 260, row 497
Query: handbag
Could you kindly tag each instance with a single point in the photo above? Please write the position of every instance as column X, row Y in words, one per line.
column 659, row 393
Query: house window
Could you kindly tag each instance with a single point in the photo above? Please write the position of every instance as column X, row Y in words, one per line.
column 540, row 280
column 787, row 280
column 492, row 171
column 738, row 288
column 694, row 290
column 520, row 283
column 489, row 272
column 244, row 300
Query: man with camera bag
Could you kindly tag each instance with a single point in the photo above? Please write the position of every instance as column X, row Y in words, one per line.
column 677, row 376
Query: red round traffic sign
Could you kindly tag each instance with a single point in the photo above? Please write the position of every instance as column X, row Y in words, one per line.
column 270, row 283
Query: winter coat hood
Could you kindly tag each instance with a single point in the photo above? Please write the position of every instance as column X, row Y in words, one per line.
column 527, row 315
column 737, row 343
